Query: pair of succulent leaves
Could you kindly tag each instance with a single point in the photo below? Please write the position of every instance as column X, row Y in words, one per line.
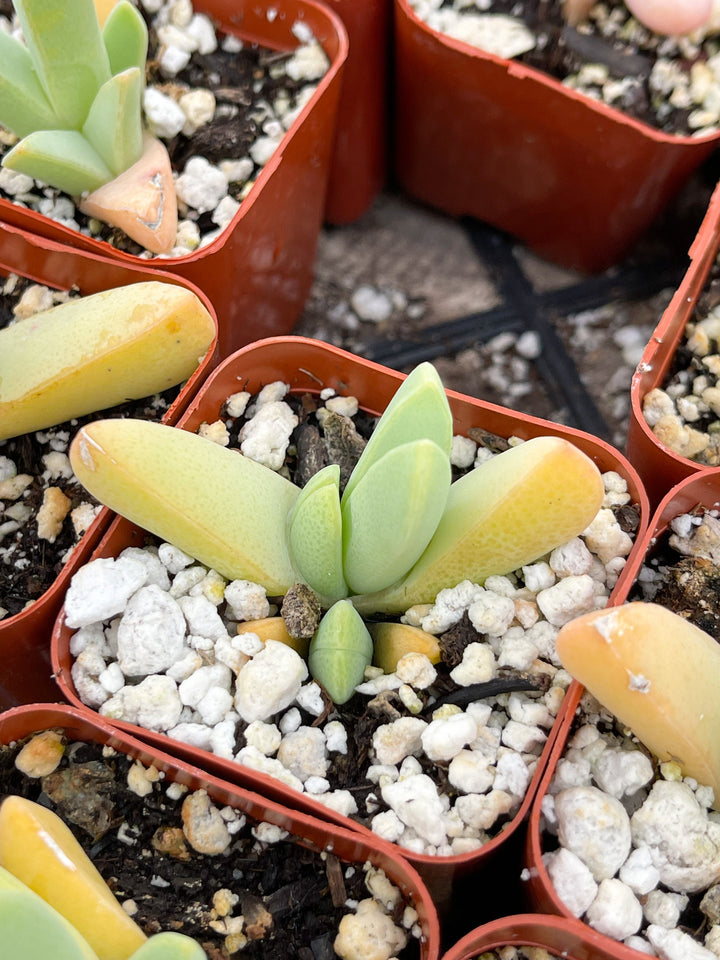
column 73, row 92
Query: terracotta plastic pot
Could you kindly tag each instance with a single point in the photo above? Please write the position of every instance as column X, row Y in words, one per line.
column 358, row 166
column 702, row 489
column 26, row 674
column 259, row 270
column 659, row 467
column 310, row 366
column 566, row 938
column 348, row 846
column 478, row 135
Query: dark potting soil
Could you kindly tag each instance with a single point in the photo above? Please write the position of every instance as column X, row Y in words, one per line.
column 296, row 894
column 603, row 38
column 241, row 81
column 30, row 564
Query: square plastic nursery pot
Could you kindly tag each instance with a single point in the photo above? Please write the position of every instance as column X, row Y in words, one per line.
column 659, row 466
column 568, row 939
column 358, row 167
column 350, row 848
column 25, row 670
column 699, row 490
column 478, row 135
column 258, row 271
column 311, row 366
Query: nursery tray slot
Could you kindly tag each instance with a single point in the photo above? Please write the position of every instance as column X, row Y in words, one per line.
column 525, row 309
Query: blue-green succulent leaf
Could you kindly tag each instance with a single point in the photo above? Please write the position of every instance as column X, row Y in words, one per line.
column 65, row 43
column 23, row 104
column 418, row 410
column 392, row 513
column 125, row 37
column 340, row 651
column 60, row 158
column 114, row 123
column 315, row 535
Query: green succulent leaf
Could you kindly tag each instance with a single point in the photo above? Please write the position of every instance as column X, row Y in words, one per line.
column 340, row 651
column 60, row 158
column 418, row 410
column 23, row 104
column 507, row 512
column 114, row 123
column 169, row 946
column 33, row 930
column 315, row 535
column 222, row 508
column 64, row 40
column 125, row 37
column 391, row 514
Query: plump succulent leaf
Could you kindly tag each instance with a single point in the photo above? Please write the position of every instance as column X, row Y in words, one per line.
column 125, row 36
column 169, row 945
column 340, row 651
column 315, row 535
column 222, row 508
column 505, row 513
column 391, row 514
column 64, row 40
column 23, row 104
column 114, row 123
column 61, row 158
column 31, row 929
column 418, row 410
column 97, row 351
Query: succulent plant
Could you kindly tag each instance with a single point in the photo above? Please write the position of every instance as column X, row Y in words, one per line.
column 400, row 533
column 72, row 93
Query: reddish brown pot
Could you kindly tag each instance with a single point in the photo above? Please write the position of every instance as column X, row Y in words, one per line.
column 309, row 366
column 348, row 846
column 566, row 938
column 701, row 489
column 259, row 270
column 659, row 467
column 358, row 167
column 26, row 674
column 477, row 135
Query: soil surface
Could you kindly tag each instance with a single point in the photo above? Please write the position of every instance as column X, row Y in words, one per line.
column 292, row 897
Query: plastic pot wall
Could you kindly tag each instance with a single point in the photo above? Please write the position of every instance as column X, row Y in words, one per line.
column 259, row 270
column 702, row 489
column 349, row 847
column 478, row 135
column 660, row 467
column 358, row 166
column 25, row 671
column 565, row 938
column 310, row 366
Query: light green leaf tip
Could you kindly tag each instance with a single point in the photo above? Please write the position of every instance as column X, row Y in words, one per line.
column 23, row 104
column 315, row 535
column 30, row 929
column 61, row 158
column 391, row 514
column 418, row 410
column 125, row 37
column 114, row 123
column 340, row 651
column 169, row 945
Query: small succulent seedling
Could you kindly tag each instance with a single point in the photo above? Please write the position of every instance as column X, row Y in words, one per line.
column 73, row 94
column 340, row 651
column 93, row 352
column 657, row 673
column 400, row 533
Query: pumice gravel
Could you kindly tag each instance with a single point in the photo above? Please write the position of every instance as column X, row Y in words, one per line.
column 435, row 776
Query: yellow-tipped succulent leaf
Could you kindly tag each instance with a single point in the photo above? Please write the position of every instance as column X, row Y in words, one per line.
column 220, row 507
column 658, row 674
column 93, row 352
column 507, row 512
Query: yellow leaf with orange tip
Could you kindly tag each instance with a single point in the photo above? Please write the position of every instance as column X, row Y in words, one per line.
column 41, row 851
column 658, row 674
column 391, row 641
column 273, row 628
